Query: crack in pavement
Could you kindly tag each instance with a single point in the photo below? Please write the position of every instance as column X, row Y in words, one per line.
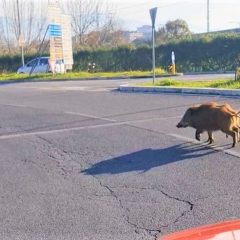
column 177, row 199
column 190, row 204
column 63, row 159
column 151, row 232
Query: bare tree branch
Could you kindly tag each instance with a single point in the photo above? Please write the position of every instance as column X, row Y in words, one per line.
column 26, row 18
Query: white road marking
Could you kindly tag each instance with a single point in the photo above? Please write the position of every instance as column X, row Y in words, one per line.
column 74, row 88
column 26, row 134
column 90, row 116
column 99, row 90
column 232, row 153
column 14, row 105
column 214, row 147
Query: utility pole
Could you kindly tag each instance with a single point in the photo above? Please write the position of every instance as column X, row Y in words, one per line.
column 153, row 14
column 18, row 16
column 208, row 21
column 20, row 36
column 97, row 17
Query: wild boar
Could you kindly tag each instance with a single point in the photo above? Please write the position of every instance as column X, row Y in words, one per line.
column 210, row 118
column 225, row 107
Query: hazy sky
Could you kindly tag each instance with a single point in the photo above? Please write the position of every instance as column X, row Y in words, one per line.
column 223, row 14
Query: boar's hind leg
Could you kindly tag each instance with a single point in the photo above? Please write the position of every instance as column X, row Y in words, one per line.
column 197, row 134
column 210, row 137
column 234, row 136
column 236, row 129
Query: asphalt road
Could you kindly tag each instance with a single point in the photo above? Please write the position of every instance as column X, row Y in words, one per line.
column 80, row 160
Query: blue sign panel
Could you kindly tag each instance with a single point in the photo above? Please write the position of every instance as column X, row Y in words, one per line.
column 54, row 30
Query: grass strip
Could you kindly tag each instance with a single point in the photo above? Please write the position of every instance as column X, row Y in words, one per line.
column 217, row 83
column 77, row 75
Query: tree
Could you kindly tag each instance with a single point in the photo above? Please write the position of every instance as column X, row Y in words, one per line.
column 177, row 28
column 110, row 33
column 173, row 29
column 83, row 14
column 93, row 24
column 20, row 18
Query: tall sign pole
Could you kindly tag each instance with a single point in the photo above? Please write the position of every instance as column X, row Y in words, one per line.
column 21, row 43
column 208, row 21
column 153, row 14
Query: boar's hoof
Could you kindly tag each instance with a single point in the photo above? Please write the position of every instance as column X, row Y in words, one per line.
column 210, row 140
column 197, row 136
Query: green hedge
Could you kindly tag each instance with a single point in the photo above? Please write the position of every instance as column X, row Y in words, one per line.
column 204, row 53
column 119, row 59
column 12, row 63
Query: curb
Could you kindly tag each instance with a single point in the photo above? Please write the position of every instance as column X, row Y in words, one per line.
column 86, row 79
column 208, row 91
column 213, row 72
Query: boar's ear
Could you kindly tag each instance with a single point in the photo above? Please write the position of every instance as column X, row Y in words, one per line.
column 191, row 110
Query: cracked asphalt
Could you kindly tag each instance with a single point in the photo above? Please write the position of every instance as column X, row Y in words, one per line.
column 80, row 160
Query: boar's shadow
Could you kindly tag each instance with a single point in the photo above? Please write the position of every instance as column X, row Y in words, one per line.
column 146, row 159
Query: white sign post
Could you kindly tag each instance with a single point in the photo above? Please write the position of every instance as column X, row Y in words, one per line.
column 173, row 63
column 153, row 14
column 173, row 58
column 67, row 42
column 21, row 43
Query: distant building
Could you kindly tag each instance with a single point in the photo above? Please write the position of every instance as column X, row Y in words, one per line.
column 143, row 33
column 132, row 36
column 146, row 30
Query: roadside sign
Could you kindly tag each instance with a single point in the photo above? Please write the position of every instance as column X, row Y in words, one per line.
column 67, row 42
column 60, row 35
column 153, row 14
column 55, row 30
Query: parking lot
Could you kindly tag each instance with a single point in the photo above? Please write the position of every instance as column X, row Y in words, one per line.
column 81, row 160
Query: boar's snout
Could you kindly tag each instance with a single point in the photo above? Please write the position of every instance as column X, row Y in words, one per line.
column 186, row 119
column 179, row 125
column 182, row 124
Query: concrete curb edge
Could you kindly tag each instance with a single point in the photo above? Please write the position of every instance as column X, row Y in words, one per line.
column 184, row 90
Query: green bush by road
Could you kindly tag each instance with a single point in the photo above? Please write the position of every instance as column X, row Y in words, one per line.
column 219, row 83
column 193, row 54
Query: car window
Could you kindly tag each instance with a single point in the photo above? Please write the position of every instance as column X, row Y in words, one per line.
column 32, row 63
column 59, row 61
column 29, row 64
column 43, row 61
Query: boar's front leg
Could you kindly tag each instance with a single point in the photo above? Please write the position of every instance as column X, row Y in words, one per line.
column 197, row 134
column 210, row 137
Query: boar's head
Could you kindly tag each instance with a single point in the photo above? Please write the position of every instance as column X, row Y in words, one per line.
column 186, row 119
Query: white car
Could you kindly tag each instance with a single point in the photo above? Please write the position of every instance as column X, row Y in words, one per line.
column 41, row 65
